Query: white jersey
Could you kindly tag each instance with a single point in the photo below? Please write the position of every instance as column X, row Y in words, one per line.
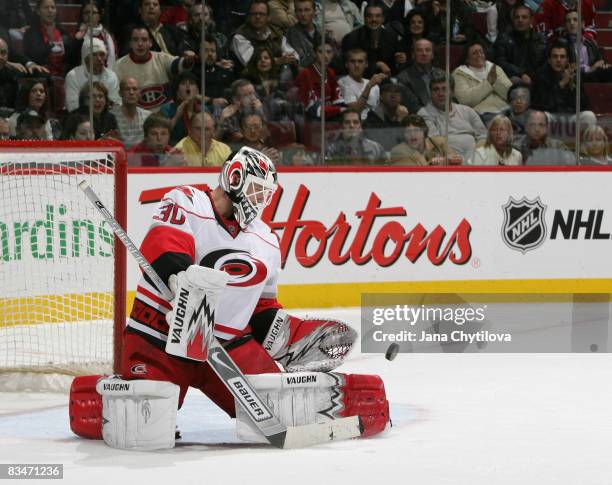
column 187, row 229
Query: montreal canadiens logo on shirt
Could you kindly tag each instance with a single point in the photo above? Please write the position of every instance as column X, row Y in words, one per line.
column 243, row 268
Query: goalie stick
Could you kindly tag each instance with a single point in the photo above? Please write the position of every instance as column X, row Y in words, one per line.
column 277, row 434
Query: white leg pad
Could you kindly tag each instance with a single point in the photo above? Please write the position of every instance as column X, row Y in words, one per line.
column 138, row 415
column 296, row 398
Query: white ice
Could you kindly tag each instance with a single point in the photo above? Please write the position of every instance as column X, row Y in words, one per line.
column 477, row 419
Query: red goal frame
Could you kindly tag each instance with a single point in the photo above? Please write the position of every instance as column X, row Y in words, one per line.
column 120, row 208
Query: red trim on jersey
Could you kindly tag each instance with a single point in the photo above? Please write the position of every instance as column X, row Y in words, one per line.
column 163, row 239
column 265, row 304
column 154, row 297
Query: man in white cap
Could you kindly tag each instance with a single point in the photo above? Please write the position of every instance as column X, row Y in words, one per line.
column 79, row 76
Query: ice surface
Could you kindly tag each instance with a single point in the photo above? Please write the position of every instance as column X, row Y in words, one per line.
column 477, row 419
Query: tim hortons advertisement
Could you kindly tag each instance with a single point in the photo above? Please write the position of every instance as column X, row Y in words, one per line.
column 395, row 228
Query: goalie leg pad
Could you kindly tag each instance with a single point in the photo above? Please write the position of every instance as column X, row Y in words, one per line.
column 85, row 407
column 138, row 415
column 302, row 398
column 310, row 344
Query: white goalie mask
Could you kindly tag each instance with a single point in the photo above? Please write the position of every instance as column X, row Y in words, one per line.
column 249, row 179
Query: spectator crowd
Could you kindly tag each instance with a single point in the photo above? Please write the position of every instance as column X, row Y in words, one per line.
column 308, row 81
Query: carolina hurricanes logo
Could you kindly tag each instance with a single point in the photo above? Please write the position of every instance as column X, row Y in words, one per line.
column 243, row 268
column 234, row 174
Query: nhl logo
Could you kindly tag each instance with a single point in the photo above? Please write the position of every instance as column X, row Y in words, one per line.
column 524, row 227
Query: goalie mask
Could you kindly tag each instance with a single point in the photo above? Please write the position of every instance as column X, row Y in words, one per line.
column 249, row 179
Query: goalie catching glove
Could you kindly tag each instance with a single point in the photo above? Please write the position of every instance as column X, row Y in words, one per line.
column 302, row 398
column 309, row 344
column 192, row 318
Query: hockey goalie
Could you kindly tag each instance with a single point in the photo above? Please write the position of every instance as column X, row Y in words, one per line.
column 218, row 257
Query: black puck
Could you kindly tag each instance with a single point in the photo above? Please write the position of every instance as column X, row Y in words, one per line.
column 392, row 351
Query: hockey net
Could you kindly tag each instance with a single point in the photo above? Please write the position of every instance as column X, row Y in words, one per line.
column 62, row 276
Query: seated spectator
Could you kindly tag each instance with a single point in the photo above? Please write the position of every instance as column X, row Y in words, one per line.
column 152, row 70
column 33, row 96
column 418, row 148
column 8, row 81
column 177, row 15
column 262, row 72
column 154, row 150
column 519, row 98
column 104, row 122
column 415, row 78
column 218, row 74
column 351, row 147
column 360, row 94
column 309, row 81
column 164, row 37
column 79, row 76
column 192, row 38
column 257, row 32
column 462, row 25
column 215, row 152
column 31, row 125
column 282, row 14
column 465, row 128
column 550, row 17
column 593, row 66
column 77, row 127
column 130, row 117
column 255, row 135
column 92, row 13
column 415, row 29
column 305, row 34
column 46, row 43
column 244, row 101
column 499, row 19
column 481, row 84
column 521, row 50
column 341, row 17
column 186, row 102
column 498, row 150
column 385, row 53
column 230, row 15
column 17, row 16
column 384, row 123
column 537, row 148
column 555, row 88
column 213, row 32
column 5, row 133
column 595, row 147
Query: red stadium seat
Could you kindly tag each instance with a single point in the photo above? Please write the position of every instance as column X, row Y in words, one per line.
column 600, row 97
column 456, row 51
column 281, row 133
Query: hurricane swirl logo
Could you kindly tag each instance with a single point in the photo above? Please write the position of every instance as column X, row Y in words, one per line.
column 234, row 175
column 243, row 268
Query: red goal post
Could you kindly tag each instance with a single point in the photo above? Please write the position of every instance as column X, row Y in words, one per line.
column 62, row 271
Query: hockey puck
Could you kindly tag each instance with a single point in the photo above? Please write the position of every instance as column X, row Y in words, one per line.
column 392, row 351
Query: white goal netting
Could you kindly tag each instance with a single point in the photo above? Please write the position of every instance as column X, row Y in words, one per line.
column 57, row 266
